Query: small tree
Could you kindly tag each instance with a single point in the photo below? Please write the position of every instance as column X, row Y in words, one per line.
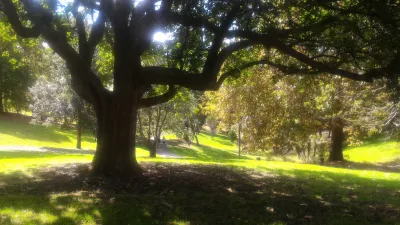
column 212, row 123
column 55, row 103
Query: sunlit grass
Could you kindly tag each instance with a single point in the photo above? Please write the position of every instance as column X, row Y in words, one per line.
column 15, row 133
column 378, row 151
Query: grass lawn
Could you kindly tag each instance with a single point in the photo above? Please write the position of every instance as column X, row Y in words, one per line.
column 20, row 133
column 209, row 185
column 374, row 152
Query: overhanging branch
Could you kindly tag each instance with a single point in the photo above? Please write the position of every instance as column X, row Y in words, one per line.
column 166, row 76
column 213, row 61
column 287, row 50
column 149, row 102
column 11, row 12
column 84, row 81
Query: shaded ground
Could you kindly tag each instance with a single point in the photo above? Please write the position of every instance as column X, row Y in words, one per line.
column 15, row 117
column 393, row 166
column 164, row 151
column 189, row 194
column 45, row 149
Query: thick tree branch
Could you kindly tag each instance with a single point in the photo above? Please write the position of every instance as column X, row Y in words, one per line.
column 84, row 81
column 190, row 21
column 214, row 60
column 225, row 53
column 283, row 48
column 166, row 76
column 148, row 102
column 87, row 46
column 11, row 12
column 236, row 71
column 80, row 25
column 96, row 35
column 143, row 23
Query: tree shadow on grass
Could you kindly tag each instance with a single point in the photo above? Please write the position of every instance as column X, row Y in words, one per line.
column 169, row 193
column 393, row 166
column 43, row 153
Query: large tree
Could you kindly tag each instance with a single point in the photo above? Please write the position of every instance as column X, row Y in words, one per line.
column 350, row 39
column 286, row 113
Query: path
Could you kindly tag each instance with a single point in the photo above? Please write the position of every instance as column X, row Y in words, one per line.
column 163, row 151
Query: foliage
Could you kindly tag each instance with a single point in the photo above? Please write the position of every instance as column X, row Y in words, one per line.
column 232, row 135
column 296, row 113
column 178, row 116
column 54, row 102
column 15, row 72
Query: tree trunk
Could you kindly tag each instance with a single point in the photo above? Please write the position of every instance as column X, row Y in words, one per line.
column 194, row 133
column 79, row 130
column 239, row 130
column 139, row 120
column 336, row 153
column 115, row 153
column 1, row 103
column 153, row 149
column 79, row 137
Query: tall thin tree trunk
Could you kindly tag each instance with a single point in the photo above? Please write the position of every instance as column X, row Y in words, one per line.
column 1, row 103
column 239, row 131
column 336, row 153
column 79, row 130
column 153, row 150
column 139, row 120
column 151, row 144
column 115, row 154
column 79, row 138
column 194, row 133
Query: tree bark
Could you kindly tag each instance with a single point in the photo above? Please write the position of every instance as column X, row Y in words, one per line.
column 336, row 153
column 115, row 154
column 239, row 131
column 194, row 133
column 79, row 138
column 1, row 103
column 153, row 149
column 79, row 130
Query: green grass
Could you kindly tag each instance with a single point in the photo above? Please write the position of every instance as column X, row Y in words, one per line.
column 374, row 152
column 354, row 190
column 23, row 134
column 16, row 133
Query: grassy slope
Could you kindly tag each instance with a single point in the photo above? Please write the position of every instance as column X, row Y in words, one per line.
column 326, row 183
column 374, row 152
column 16, row 133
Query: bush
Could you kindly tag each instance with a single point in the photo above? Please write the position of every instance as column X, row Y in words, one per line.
column 232, row 135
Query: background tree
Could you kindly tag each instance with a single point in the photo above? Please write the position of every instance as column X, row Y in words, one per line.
column 152, row 122
column 15, row 73
column 55, row 103
column 317, row 35
column 289, row 114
